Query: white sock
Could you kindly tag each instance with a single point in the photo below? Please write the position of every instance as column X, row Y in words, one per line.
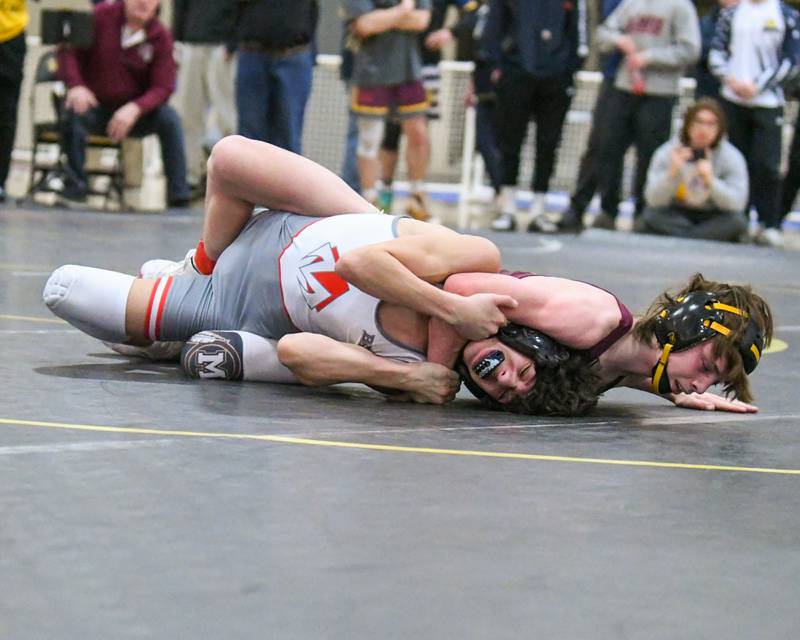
column 260, row 360
column 508, row 199
column 537, row 204
column 92, row 300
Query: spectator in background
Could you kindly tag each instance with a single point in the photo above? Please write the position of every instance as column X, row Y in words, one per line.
column 697, row 182
column 791, row 183
column 755, row 47
column 275, row 41
column 120, row 86
column 206, row 69
column 707, row 83
column 431, row 79
column 387, row 80
column 659, row 40
column 534, row 47
column 13, row 20
column 349, row 172
column 602, row 123
column 469, row 35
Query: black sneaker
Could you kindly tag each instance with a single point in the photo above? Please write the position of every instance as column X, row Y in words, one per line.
column 72, row 195
column 178, row 203
column 540, row 224
column 571, row 222
column 604, row 221
column 504, row 222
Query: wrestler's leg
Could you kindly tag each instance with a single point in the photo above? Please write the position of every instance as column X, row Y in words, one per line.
column 234, row 355
column 104, row 304
column 243, row 173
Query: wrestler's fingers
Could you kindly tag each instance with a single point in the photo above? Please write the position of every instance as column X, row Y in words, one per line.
column 506, row 301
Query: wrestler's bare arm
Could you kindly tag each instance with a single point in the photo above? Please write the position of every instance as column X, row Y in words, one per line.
column 243, row 173
column 575, row 313
column 317, row 360
column 402, row 271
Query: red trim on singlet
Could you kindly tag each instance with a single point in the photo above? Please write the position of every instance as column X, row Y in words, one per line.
column 149, row 309
column 625, row 322
column 161, row 307
column 280, row 275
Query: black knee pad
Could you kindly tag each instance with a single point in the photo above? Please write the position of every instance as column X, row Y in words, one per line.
column 391, row 136
column 213, row 355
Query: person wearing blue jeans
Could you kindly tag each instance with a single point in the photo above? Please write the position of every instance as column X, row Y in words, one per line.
column 162, row 121
column 275, row 41
column 272, row 89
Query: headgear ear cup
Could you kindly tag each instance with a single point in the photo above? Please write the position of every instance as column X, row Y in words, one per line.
column 751, row 346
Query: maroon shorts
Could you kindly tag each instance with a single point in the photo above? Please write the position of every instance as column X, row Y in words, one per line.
column 403, row 100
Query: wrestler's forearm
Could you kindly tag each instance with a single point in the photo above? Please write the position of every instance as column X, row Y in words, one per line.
column 317, row 360
column 401, row 271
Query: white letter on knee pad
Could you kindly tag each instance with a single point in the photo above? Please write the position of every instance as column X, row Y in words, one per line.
column 92, row 300
column 233, row 355
column 370, row 136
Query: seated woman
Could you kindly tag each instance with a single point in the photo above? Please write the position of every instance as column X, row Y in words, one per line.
column 697, row 184
column 281, row 297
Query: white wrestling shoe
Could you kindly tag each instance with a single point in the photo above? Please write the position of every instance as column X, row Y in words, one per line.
column 158, row 351
column 159, row 268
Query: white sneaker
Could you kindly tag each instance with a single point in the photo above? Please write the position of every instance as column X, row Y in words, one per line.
column 770, row 237
column 504, row 222
column 540, row 224
column 159, row 268
column 161, row 350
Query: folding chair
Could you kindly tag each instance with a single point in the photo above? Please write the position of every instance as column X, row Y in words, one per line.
column 106, row 179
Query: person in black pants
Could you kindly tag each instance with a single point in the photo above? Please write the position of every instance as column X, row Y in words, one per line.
column 535, row 48
column 12, row 58
column 791, row 183
column 658, row 42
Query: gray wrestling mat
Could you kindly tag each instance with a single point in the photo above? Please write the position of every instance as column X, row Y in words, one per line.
column 137, row 504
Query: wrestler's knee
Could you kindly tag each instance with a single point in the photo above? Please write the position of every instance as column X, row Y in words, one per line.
column 92, row 300
column 225, row 157
column 370, row 135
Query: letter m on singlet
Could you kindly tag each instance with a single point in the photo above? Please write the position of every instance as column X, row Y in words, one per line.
column 210, row 363
column 318, row 279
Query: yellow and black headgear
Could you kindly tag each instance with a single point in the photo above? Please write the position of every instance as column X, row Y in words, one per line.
column 699, row 316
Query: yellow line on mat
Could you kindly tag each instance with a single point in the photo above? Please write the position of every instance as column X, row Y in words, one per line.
column 395, row 448
column 6, row 316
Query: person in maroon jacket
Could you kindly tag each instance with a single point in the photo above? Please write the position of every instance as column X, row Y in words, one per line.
column 119, row 86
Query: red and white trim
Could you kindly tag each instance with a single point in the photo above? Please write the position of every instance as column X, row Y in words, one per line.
column 155, row 308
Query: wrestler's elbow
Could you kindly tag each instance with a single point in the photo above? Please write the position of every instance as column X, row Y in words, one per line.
column 352, row 263
column 491, row 254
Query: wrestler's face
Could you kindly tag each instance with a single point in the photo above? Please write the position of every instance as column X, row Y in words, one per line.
column 696, row 369
column 512, row 379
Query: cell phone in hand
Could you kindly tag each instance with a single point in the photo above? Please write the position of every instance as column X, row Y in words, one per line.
column 698, row 154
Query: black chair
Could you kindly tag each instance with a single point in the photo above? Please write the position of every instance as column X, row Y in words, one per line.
column 47, row 165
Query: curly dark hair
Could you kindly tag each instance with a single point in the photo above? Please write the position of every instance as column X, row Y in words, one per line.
column 570, row 389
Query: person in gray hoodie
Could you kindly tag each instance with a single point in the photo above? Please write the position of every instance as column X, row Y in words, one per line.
column 659, row 39
column 697, row 184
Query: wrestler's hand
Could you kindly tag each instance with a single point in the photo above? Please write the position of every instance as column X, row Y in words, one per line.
column 711, row 402
column 481, row 315
column 429, row 383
